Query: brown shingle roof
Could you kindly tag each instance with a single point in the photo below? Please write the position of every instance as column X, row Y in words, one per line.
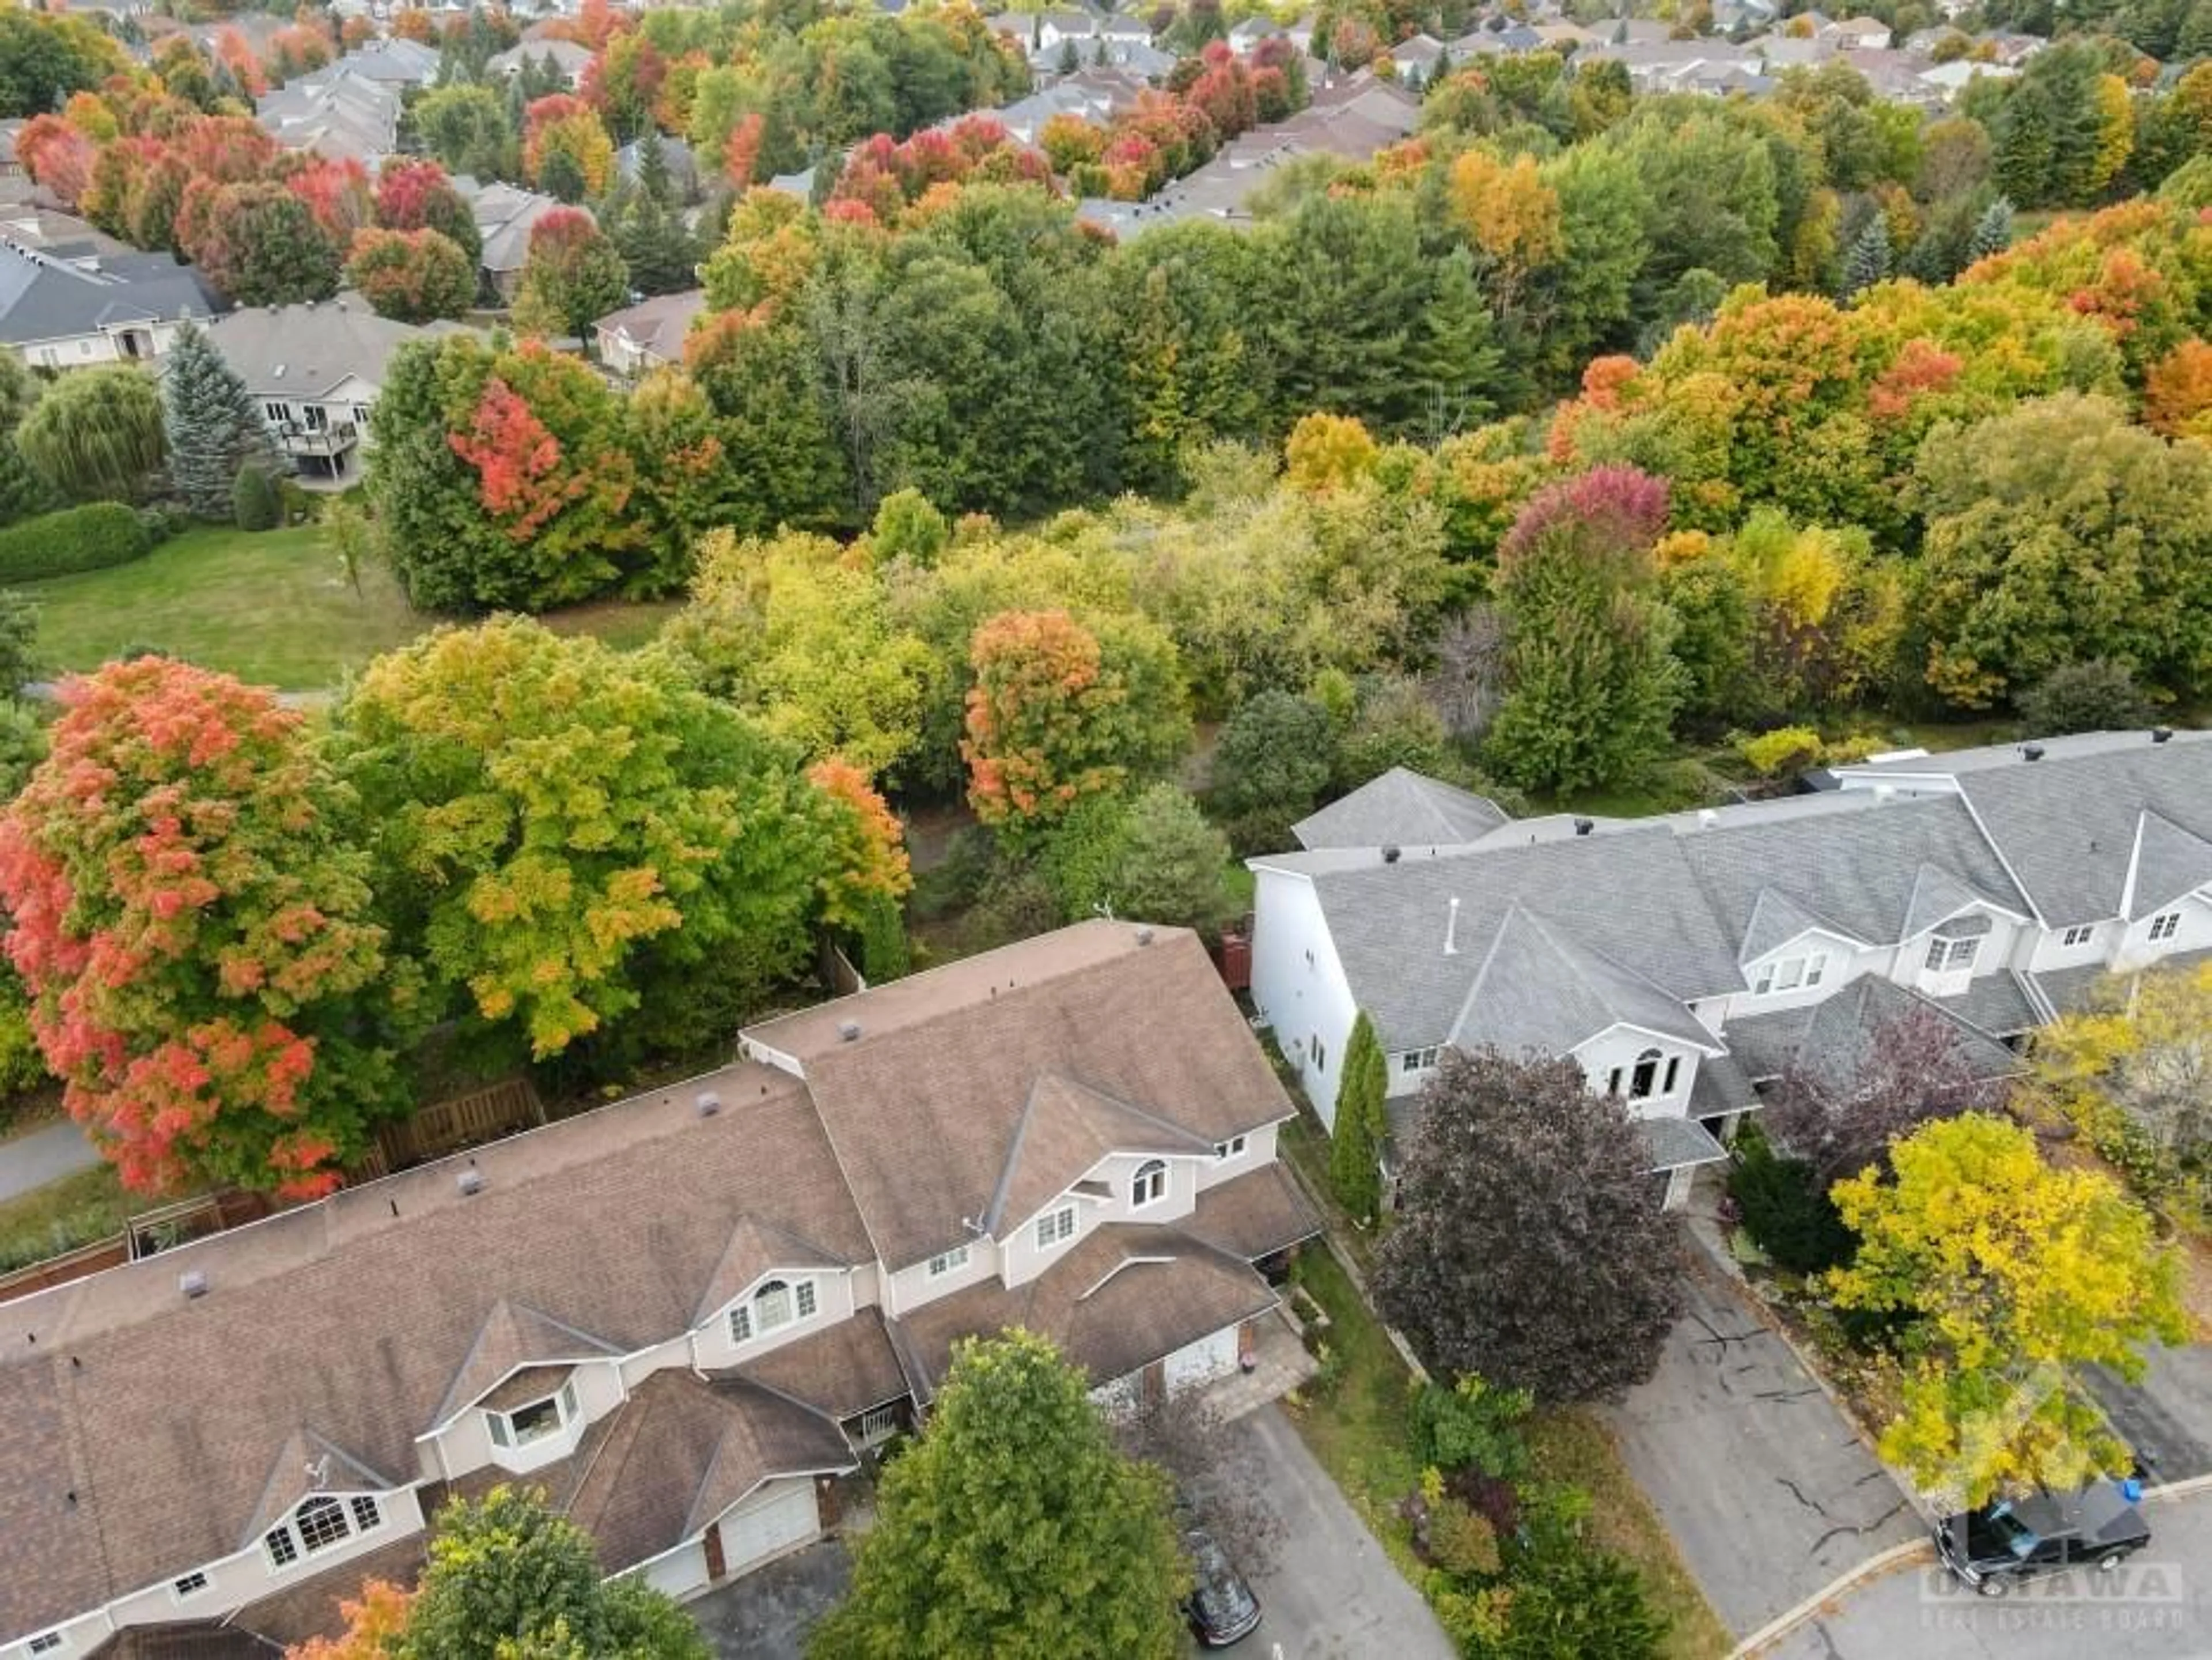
column 307, row 1463
column 1067, row 1128
column 1122, row 1298
column 923, row 1105
column 351, row 1316
column 514, row 1335
column 1254, row 1216
column 310, row 1608
column 754, row 1248
column 842, row 1370
column 682, row 1451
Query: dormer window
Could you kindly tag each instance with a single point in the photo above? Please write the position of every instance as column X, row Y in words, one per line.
column 1788, row 973
column 1232, row 1148
column 1150, row 1183
column 517, row 1427
column 1951, row 956
column 1644, row 1081
column 1055, row 1227
column 777, row 1303
column 320, row 1521
column 2165, row 925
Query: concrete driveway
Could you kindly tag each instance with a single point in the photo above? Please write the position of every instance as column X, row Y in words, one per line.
column 1331, row 1594
column 2157, row 1607
column 1766, row 1490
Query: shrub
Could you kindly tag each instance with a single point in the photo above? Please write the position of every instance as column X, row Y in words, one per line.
column 2096, row 696
column 1784, row 1209
column 253, row 500
column 1575, row 1602
column 1461, row 1542
column 93, row 537
column 1786, row 748
column 1472, row 1423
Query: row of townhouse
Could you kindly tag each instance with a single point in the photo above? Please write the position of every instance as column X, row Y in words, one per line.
column 684, row 1316
column 1687, row 961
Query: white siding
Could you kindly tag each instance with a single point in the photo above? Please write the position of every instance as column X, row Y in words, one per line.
column 833, row 1292
column 1298, row 984
column 1620, row 1047
column 912, row 1286
column 1259, row 1153
column 2136, row 950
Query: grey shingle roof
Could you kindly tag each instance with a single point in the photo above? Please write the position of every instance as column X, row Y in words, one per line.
column 1776, row 919
column 1995, row 1003
column 1865, row 871
column 2070, row 990
column 1673, row 1143
column 2170, row 862
column 1401, row 809
column 43, row 299
column 1539, row 991
column 1628, row 895
column 1830, row 1037
column 306, row 350
column 1722, row 1086
column 2067, row 824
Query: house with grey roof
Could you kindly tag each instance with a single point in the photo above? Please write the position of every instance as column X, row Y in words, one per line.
column 684, row 1316
column 316, row 370
column 650, row 334
column 66, row 305
column 504, row 216
column 1688, row 960
column 568, row 58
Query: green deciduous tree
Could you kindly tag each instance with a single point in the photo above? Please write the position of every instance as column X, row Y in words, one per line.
column 1519, row 1180
column 573, row 275
column 96, row 436
column 411, row 275
column 1272, row 757
column 1355, row 1134
column 507, row 1577
column 213, row 426
column 196, row 935
column 2012, row 1274
column 1150, row 858
column 578, row 841
column 1013, row 1527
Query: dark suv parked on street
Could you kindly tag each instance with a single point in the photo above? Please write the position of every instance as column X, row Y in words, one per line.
column 1995, row 1548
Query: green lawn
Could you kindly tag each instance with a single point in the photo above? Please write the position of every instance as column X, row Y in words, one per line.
column 273, row 609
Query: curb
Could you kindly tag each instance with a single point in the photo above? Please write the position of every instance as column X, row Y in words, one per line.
column 1896, row 1556
column 1783, row 1624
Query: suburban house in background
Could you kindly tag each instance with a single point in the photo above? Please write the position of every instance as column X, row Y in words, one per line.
column 506, row 214
column 1684, row 961
column 683, row 1315
column 648, row 335
column 316, row 370
column 568, row 59
column 78, row 301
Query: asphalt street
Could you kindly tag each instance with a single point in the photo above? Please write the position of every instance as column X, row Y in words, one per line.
column 43, row 1156
column 2157, row 1607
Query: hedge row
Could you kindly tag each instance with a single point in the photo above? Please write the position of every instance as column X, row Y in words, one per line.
column 89, row 537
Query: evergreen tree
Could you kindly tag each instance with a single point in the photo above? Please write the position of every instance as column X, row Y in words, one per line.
column 253, row 502
column 885, row 952
column 653, row 176
column 561, row 177
column 213, row 426
column 1070, row 58
column 650, row 236
column 1868, row 262
column 1992, row 233
column 1355, row 1138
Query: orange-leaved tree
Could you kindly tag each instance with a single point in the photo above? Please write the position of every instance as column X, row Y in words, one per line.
column 190, row 919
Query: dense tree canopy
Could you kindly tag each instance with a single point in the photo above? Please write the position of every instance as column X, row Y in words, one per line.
column 97, row 435
column 1013, row 1527
column 195, row 928
column 1519, row 1180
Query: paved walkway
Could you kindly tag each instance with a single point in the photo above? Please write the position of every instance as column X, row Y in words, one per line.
column 43, row 1156
column 1280, row 1365
column 1765, row 1486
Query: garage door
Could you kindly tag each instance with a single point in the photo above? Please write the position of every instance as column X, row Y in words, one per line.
column 1208, row 1358
column 782, row 1516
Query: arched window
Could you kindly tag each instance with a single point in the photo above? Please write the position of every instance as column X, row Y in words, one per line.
column 1150, row 1183
column 1644, row 1080
column 777, row 1303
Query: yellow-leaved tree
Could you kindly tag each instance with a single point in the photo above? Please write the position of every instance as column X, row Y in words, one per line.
column 2009, row 1275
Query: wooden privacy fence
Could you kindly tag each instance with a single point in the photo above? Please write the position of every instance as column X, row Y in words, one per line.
column 143, row 1235
column 467, row 1121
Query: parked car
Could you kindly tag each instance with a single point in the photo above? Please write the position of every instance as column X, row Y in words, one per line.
column 1995, row 1548
column 1220, row 1608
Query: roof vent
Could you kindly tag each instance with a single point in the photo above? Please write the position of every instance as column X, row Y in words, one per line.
column 192, row 1283
column 2159, row 734
column 2031, row 752
column 1707, row 818
column 1144, row 936
column 470, row 1182
column 708, row 1103
column 1451, row 928
column 1584, row 826
column 1389, row 855
column 849, row 1032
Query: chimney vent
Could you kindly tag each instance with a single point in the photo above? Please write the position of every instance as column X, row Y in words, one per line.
column 849, row 1032
column 470, row 1182
column 1583, row 826
column 2031, row 752
column 1707, row 818
column 1144, row 936
column 1885, row 792
column 1389, row 855
column 2159, row 734
column 1451, row 928
column 192, row 1283
column 708, row 1103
